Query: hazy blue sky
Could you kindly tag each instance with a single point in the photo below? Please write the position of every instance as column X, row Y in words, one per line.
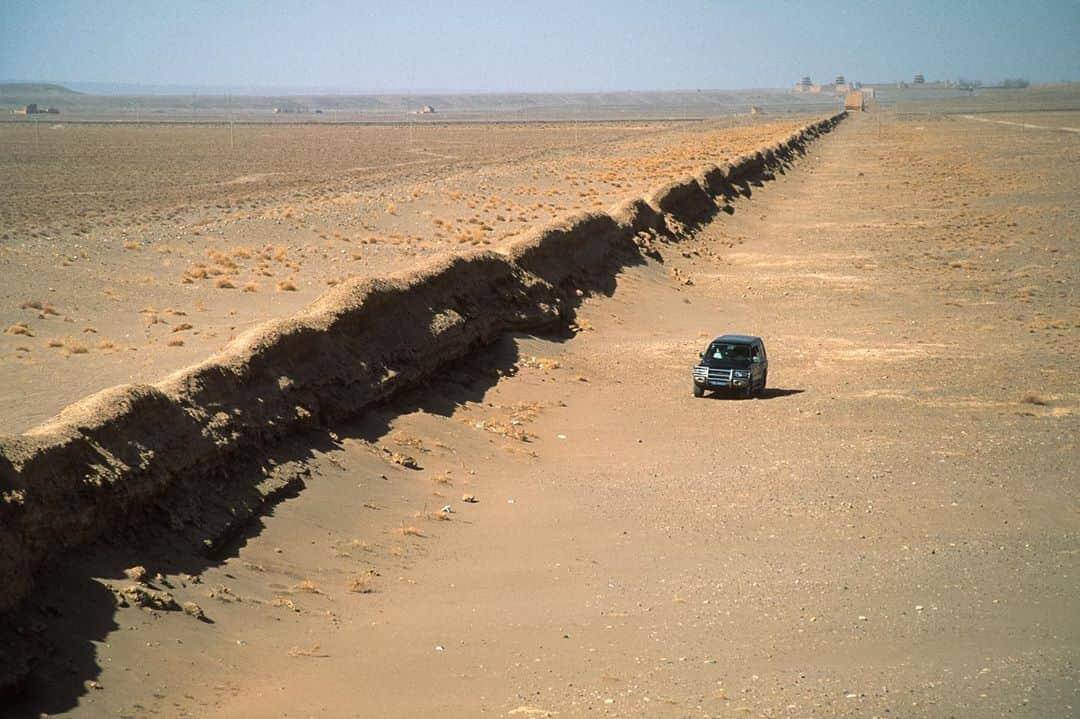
column 536, row 45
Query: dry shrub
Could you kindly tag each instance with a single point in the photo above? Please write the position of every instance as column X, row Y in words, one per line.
column 362, row 583
column 19, row 328
column 182, row 327
column 442, row 479
column 31, row 305
column 225, row 284
column 129, row 245
column 90, row 330
column 313, row 651
column 251, row 287
column 74, row 347
column 286, row 286
column 107, row 345
column 176, row 342
column 543, row 363
column 287, row 603
column 1034, row 398
column 308, row 587
column 55, row 343
column 411, row 531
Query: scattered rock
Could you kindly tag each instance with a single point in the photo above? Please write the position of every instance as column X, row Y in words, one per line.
column 140, row 596
column 471, row 499
column 136, row 573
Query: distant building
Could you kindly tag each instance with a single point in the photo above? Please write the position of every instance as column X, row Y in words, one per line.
column 427, row 110
column 806, row 85
column 919, row 80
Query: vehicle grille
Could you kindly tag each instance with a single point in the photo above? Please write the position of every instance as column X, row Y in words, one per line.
column 714, row 377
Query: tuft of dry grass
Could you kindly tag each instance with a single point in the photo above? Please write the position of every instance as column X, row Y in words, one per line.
column 308, row 587
column 391, row 209
column 225, row 284
column 542, row 363
column 19, row 328
column 251, row 287
column 312, row 651
column 74, row 347
column 287, row 603
column 182, row 327
column 30, row 305
column 1034, row 398
column 175, row 342
column 363, row 583
column 286, row 286
column 411, row 531
column 55, row 343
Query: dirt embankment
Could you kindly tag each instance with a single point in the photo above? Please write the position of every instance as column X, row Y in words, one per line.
column 136, row 452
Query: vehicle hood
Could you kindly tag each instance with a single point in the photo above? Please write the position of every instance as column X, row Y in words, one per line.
column 724, row 363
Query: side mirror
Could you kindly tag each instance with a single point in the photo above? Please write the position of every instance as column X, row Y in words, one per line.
column 701, row 355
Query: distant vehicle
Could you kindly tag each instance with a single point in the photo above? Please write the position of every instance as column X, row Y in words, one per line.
column 732, row 362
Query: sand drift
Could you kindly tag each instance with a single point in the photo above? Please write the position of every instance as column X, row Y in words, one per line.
column 135, row 454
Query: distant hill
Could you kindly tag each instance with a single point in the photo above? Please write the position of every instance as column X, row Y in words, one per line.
column 35, row 89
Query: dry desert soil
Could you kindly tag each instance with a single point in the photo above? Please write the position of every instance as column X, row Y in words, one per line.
column 131, row 250
column 890, row 531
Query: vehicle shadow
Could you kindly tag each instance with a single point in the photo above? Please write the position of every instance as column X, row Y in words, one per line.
column 769, row 393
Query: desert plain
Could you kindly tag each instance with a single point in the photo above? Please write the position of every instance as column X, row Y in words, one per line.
column 553, row 525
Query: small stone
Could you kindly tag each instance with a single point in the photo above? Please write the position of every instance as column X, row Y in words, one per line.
column 469, row 498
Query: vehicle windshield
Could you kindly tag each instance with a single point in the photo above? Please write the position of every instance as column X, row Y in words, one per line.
column 728, row 351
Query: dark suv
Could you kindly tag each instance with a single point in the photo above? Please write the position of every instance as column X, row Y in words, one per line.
column 735, row 362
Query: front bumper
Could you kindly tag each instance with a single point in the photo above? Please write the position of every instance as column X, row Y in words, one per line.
column 713, row 378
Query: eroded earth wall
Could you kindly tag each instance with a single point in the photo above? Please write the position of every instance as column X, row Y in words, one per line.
column 111, row 459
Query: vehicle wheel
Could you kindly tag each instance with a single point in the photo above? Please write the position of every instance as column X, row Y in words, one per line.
column 699, row 391
column 749, row 391
column 761, row 389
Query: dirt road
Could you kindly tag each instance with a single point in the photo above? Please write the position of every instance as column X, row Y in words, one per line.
column 891, row 531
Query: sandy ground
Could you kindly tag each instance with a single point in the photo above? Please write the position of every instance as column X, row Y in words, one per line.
column 891, row 531
column 129, row 251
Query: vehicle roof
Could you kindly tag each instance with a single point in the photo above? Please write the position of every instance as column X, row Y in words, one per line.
column 738, row 339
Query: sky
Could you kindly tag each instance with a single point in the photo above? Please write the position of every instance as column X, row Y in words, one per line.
column 533, row 45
